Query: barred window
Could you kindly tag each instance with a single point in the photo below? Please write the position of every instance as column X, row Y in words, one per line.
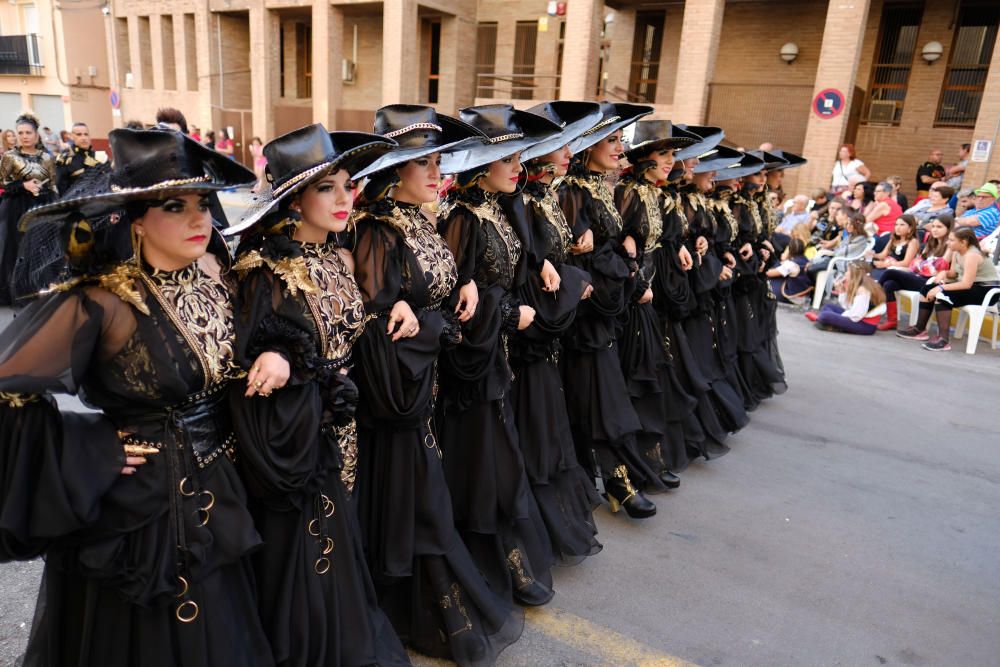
column 968, row 64
column 486, row 58
column 893, row 60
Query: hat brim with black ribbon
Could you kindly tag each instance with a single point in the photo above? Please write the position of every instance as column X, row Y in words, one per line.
column 357, row 150
column 792, row 160
column 575, row 118
column 720, row 157
column 746, row 165
column 135, row 176
column 455, row 137
column 710, row 138
column 622, row 116
column 772, row 162
column 679, row 139
column 530, row 130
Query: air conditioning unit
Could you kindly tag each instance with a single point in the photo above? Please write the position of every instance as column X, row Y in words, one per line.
column 129, row 80
column 348, row 68
column 882, row 111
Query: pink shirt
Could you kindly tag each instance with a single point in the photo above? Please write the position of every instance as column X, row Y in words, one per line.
column 888, row 221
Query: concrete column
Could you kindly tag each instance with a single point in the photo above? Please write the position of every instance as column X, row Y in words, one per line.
column 582, row 49
column 987, row 126
column 400, row 52
column 208, row 65
column 264, row 41
column 327, row 52
column 843, row 38
column 458, row 58
column 700, row 32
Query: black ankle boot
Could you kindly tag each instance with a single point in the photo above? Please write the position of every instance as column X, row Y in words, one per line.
column 670, row 480
column 527, row 590
column 620, row 493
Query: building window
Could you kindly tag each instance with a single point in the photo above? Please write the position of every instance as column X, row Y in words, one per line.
column 968, row 65
column 525, row 43
column 303, row 60
column 486, row 58
column 434, row 62
column 145, row 54
column 559, row 57
column 190, row 52
column 120, row 45
column 167, row 44
column 646, row 56
column 893, row 60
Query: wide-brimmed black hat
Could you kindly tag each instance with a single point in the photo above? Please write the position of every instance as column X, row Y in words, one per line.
column 148, row 165
column 614, row 116
column 420, row 130
column 302, row 156
column 791, row 160
column 656, row 135
column 507, row 131
column 710, row 138
column 720, row 157
column 771, row 161
column 574, row 118
column 746, row 164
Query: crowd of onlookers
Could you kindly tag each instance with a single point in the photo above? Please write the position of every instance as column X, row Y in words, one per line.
column 875, row 242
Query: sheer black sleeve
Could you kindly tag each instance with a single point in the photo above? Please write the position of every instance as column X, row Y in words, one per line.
column 573, row 201
column 55, row 467
column 267, row 321
column 378, row 265
column 461, row 232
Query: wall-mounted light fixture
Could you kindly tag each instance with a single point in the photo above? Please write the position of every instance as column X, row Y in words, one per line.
column 789, row 52
column 932, row 51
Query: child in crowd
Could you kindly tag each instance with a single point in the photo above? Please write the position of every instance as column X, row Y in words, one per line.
column 901, row 249
column 933, row 258
column 803, row 233
column 970, row 278
column 861, row 303
column 789, row 280
column 852, row 245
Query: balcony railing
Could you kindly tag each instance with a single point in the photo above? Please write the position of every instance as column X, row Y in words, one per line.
column 505, row 85
column 19, row 54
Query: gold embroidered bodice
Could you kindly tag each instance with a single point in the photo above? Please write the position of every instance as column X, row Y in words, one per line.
column 200, row 307
column 597, row 185
column 336, row 306
column 557, row 230
column 502, row 247
column 720, row 203
column 429, row 250
column 16, row 166
column 649, row 195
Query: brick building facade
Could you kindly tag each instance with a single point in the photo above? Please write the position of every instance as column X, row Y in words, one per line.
column 263, row 67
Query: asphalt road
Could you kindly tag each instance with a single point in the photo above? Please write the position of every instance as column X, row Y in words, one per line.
column 855, row 522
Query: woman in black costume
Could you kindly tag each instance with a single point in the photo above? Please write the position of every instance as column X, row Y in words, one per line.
column 28, row 179
column 565, row 497
column 663, row 405
column 723, row 412
column 147, row 567
column 603, row 420
column 298, row 314
column 425, row 577
column 495, row 511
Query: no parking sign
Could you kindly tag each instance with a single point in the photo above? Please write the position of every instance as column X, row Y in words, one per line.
column 828, row 103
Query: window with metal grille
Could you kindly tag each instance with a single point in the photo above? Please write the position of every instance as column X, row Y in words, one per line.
column 486, row 58
column 646, row 56
column 559, row 56
column 968, row 64
column 890, row 75
column 303, row 60
column 525, row 42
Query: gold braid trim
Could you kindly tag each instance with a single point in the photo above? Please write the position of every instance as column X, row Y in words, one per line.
column 18, row 400
column 722, row 205
column 292, row 270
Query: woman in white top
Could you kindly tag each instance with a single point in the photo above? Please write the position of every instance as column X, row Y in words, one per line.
column 847, row 165
column 859, row 306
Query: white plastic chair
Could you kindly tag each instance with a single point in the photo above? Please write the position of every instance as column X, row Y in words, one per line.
column 974, row 317
column 823, row 285
column 912, row 300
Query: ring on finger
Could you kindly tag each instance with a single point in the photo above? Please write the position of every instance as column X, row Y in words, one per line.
column 258, row 384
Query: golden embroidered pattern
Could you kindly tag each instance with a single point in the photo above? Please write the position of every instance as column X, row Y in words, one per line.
column 347, row 439
column 338, row 306
column 429, row 250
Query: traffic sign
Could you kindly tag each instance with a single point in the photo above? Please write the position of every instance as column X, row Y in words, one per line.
column 828, row 103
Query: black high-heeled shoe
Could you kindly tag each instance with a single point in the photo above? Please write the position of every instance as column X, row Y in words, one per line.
column 620, row 493
column 670, row 480
column 527, row 590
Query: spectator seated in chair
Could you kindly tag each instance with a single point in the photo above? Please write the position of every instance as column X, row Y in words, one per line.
column 983, row 220
column 901, row 249
column 883, row 213
column 826, row 232
column 859, row 306
column 789, row 280
column 853, row 243
column 931, row 260
column 971, row 276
